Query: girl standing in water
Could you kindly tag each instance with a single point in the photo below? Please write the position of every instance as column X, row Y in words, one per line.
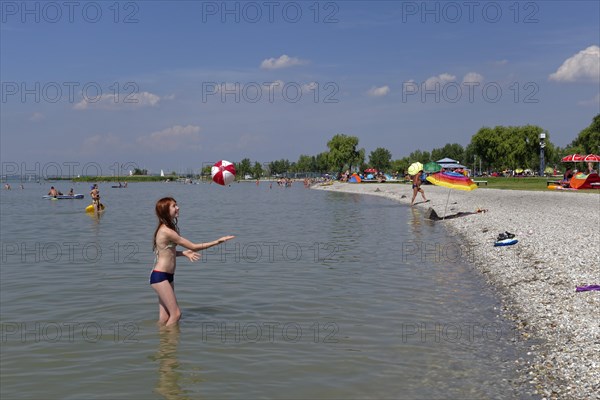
column 166, row 239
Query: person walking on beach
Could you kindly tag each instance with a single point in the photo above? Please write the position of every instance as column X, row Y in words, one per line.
column 166, row 239
column 416, row 186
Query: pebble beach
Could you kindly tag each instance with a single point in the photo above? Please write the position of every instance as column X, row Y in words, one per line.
column 558, row 250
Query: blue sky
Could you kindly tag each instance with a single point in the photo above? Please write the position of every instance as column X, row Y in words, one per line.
column 175, row 85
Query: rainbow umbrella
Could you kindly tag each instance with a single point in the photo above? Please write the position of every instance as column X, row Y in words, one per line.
column 451, row 180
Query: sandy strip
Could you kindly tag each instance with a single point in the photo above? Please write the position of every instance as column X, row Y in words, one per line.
column 558, row 250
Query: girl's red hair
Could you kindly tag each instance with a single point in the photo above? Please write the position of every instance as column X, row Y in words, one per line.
column 164, row 216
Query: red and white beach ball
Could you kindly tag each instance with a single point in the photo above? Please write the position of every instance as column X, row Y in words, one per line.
column 223, row 172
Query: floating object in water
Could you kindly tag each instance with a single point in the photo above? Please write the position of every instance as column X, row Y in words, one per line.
column 92, row 208
column 63, row 197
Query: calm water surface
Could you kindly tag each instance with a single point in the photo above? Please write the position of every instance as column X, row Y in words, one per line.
column 321, row 295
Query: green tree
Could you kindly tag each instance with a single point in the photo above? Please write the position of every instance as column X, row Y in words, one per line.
column 244, row 168
column 400, row 166
column 306, row 164
column 508, row 147
column 322, row 162
column 454, row 151
column 380, row 159
column 359, row 159
column 206, row 170
column 420, row 156
column 343, row 152
column 588, row 140
column 138, row 171
column 279, row 167
column 257, row 170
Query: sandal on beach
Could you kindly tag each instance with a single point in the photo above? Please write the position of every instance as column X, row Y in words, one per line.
column 506, row 235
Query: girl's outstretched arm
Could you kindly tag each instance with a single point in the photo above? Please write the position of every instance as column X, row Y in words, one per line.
column 181, row 241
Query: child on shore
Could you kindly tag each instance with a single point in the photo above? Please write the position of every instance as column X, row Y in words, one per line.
column 166, row 238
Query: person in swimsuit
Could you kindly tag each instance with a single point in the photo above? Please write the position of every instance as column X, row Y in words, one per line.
column 53, row 192
column 416, row 186
column 166, row 239
column 95, row 195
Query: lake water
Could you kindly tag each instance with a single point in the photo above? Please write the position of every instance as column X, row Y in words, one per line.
column 321, row 295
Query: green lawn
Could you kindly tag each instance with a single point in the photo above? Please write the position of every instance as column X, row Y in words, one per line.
column 529, row 183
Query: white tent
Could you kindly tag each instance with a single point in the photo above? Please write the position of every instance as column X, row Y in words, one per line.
column 449, row 163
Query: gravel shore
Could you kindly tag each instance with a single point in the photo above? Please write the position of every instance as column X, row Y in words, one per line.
column 558, row 250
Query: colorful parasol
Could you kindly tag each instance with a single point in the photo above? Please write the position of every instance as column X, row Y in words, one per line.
column 573, row 158
column 591, row 158
column 371, row 170
column 415, row 168
column 451, row 180
column 432, row 166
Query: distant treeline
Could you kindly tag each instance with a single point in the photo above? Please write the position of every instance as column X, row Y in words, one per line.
column 131, row 178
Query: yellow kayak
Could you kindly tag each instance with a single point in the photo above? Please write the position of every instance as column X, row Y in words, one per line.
column 91, row 208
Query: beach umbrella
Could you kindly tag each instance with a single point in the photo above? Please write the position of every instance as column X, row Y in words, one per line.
column 573, row 158
column 415, row 168
column 371, row 170
column 591, row 158
column 451, row 180
column 432, row 166
column 519, row 170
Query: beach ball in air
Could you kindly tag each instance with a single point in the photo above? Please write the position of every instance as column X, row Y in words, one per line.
column 223, row 172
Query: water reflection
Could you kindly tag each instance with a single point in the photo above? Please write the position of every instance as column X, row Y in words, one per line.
column 168, row 365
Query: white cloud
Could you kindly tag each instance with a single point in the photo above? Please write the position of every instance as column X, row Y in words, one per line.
column 284, row 61
column 441, row 79
column 583, row 66
column 472, row 77
column 174, row 138
column 111, row 101
column 378, row 91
